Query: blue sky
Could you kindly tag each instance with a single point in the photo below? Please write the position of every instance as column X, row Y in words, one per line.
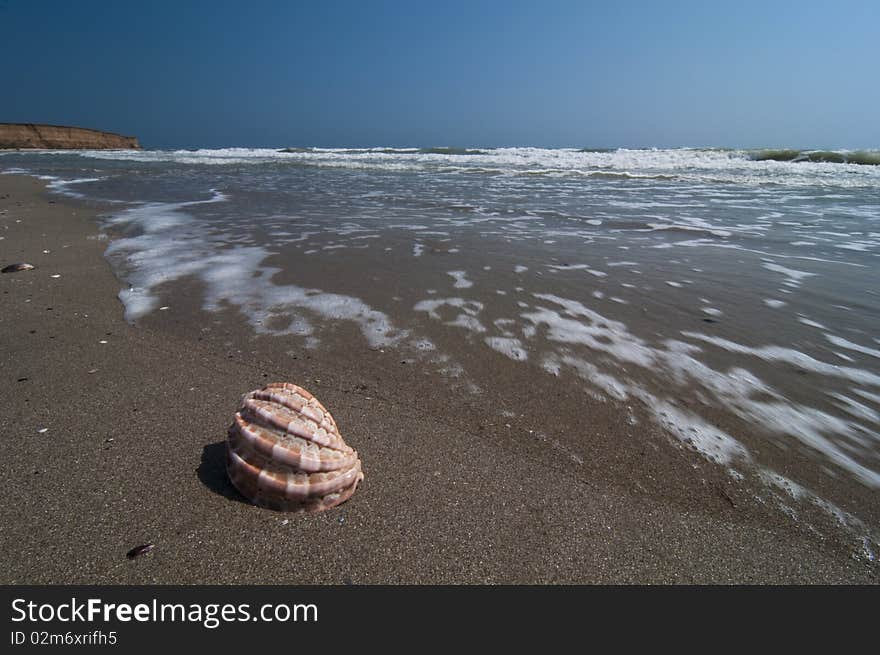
column 549, row 73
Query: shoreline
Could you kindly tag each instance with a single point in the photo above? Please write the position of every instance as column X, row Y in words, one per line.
column 134, row 454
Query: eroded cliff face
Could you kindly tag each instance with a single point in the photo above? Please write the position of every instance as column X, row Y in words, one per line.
column 56, row 137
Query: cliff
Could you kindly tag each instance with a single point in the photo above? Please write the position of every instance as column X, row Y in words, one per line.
column 56, row 137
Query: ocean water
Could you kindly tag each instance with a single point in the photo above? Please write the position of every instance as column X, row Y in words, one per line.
column 732, row 296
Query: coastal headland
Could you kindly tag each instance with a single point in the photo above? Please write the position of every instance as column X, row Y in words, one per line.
column 31, row 136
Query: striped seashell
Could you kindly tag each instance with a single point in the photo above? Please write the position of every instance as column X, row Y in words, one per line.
column 284, row 452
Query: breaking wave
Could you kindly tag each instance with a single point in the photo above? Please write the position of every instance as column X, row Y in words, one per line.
column 787, row 167
column 860, row 157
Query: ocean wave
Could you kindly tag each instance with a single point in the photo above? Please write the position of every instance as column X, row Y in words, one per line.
column 386, row 151
column 860, row 157
column 350, row 151
column 800, row 168
column 452, row 151
column 626, row 175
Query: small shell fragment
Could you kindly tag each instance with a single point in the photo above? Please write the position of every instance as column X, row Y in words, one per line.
column 140, row 550
column 17, row 268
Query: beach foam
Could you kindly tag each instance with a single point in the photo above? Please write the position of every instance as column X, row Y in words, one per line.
column 165, row 244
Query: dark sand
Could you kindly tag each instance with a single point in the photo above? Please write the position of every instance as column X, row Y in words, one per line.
column 133, row 453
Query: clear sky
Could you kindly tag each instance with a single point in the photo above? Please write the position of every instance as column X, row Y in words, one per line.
column 443, row 72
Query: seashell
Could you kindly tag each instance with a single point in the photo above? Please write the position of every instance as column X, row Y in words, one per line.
column 137, row 551
column 16, row 268
column 284, row 452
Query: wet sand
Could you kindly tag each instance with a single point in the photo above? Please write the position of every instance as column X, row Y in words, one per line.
column 564, row 490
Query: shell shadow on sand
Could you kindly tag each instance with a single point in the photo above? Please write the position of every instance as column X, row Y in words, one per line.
column 212, row 472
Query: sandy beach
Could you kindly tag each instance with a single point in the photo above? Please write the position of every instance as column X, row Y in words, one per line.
column 114, row 437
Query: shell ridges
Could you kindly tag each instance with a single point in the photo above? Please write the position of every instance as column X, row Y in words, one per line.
column 284, row 451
